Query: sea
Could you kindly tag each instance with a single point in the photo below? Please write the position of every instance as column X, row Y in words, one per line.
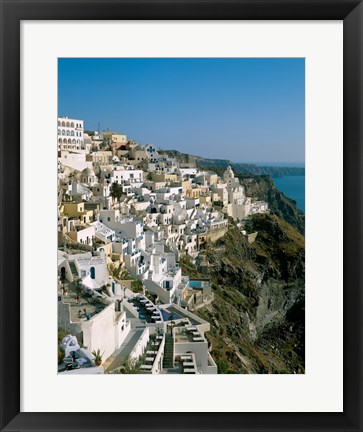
column 292, row 186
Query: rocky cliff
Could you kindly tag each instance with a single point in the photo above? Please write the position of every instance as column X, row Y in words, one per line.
column 257, row 317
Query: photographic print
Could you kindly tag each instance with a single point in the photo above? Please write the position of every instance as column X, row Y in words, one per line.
column 181, row 215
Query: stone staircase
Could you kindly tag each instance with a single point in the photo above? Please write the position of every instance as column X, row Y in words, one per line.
column 168, row 361
column 73, row 268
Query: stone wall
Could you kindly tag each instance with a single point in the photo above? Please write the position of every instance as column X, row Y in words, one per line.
column 215, row 234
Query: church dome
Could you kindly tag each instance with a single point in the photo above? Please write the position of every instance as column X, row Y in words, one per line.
column 88, row 172
column 228, row 173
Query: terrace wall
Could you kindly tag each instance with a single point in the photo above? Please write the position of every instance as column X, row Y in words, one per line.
column 99, row 332
column 199, row 349
column 140, row 346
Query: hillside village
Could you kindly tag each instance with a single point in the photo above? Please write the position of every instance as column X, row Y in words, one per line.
column 127, row 215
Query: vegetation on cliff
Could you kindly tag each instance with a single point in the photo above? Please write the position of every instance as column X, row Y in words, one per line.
column 257, row 317
column 242, row 168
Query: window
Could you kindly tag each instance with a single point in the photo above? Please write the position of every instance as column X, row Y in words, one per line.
column 63, row 132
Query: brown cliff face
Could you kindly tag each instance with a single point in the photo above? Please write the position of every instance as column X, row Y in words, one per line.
column 257, row 317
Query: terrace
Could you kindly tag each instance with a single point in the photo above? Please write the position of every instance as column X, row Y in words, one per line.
column 188, row 363
column 152, row 352
column 180, row 313
column 146, row 309
column 76, row 360
column 84, row 302
column 187, row 334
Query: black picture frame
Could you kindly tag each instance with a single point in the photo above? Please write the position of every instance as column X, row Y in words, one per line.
column 12, row 12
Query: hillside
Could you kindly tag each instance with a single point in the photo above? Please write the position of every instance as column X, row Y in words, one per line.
column 219, row 165
column 257, row 317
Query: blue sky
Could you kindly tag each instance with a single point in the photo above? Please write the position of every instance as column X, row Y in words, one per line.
column 239, row 109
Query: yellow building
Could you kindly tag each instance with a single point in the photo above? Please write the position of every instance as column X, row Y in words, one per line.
column 205, row 199
column 213, row 178
column 164, row 177
column 102, row 157
column 193, row 193
column 113, row 137
column 77, row 210
column 185, row 185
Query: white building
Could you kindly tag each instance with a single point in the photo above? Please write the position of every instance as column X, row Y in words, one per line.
column 237, row 205
column 122, row 174
column 70, row 134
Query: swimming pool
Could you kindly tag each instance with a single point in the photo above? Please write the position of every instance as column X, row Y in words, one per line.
column 167, row 316
column 195, row 284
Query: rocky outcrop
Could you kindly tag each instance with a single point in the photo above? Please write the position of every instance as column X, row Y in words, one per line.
column 257, row 316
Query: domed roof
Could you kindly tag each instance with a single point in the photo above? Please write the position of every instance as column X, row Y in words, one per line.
column 228, row 172
column 88, row 172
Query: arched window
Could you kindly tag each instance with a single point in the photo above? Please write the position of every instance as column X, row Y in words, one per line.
column 59, row 132
column 67, row 124
column 77, row 141
column 73, row 141
column 63, row 132
column 59, row 123
column 64, row 141
column 72, row 124
column 63, row 124
column 60, row 140
column 67, row 132
column 69, row 141
column 72, row 133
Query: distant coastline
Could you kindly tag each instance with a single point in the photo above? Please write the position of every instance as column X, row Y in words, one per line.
column 279, row 164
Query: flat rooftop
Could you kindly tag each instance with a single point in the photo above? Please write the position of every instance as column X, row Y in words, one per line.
column 89, row 302
column 181, row 313
column 147, row 310
column 182, row 335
